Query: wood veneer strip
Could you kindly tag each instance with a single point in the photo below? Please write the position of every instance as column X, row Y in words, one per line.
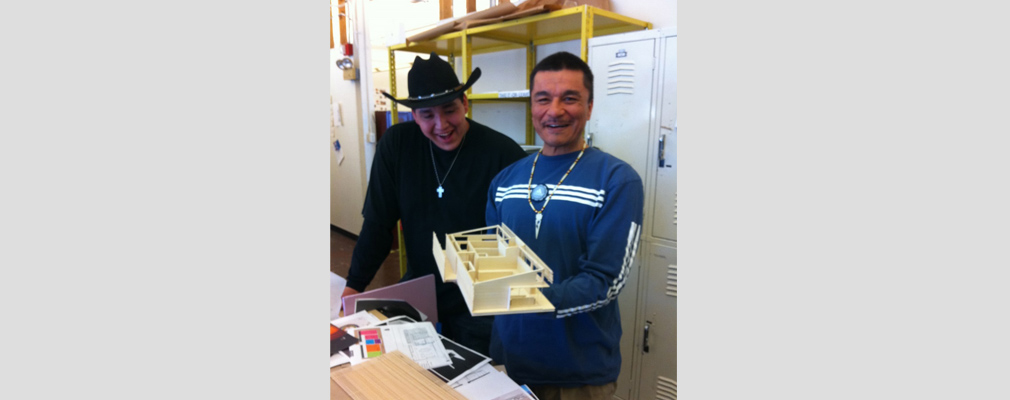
column 392, row 376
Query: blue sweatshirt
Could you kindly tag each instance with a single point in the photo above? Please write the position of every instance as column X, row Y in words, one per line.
column 588, row 236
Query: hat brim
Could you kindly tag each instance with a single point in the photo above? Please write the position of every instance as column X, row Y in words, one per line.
column 439, row 99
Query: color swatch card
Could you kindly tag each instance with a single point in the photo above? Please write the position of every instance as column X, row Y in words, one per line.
column 371, row 342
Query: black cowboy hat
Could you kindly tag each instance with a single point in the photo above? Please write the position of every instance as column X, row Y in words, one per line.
column 432, row 82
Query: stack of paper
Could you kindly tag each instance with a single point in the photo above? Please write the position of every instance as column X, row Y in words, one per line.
column 417, row 340
column 488, row 383
column 464, row 360
column 337, row 285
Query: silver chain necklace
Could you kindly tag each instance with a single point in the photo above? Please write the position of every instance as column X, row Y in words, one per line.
column 440, row 181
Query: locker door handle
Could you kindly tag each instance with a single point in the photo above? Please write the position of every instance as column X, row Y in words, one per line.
column 645, row 341
column 662, row 150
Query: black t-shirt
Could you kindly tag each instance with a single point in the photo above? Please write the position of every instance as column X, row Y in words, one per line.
column 402, row 187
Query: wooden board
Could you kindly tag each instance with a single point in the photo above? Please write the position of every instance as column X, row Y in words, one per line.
column 516, row 15
column 392, row 376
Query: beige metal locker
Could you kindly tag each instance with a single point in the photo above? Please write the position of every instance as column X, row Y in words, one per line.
column 635, row 119
column 658, row 357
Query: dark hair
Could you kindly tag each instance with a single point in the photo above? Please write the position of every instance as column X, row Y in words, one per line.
column 564, row 60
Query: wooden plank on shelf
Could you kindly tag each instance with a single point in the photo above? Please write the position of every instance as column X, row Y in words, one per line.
column 493, row 12
column 473, row 23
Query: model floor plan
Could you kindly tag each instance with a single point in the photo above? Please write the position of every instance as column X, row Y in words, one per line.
column 494, row 270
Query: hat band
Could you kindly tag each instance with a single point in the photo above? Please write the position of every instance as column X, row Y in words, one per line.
column 434, row 94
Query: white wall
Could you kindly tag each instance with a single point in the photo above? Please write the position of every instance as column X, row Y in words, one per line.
column 347, row 179
column 661, row 13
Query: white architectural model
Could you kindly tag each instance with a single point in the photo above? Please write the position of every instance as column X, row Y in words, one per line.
column 496, row 272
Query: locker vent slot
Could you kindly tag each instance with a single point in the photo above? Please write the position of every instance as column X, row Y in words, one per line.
column 666, row 388
column 675, row 208
column 671, row 281
column 621, row 78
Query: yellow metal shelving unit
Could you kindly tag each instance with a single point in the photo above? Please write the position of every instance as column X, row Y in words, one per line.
column 575, row 23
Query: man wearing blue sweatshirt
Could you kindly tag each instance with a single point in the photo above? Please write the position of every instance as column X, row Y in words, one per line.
column 580, row 210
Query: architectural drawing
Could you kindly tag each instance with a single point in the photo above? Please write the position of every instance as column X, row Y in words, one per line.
column 494, row 270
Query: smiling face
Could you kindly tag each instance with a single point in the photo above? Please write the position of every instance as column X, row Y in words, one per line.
column 446, row 124
column 561, row 108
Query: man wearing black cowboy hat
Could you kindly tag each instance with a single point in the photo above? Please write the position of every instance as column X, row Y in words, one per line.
column 433, row 174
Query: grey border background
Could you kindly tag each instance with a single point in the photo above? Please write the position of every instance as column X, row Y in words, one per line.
column 841, row 193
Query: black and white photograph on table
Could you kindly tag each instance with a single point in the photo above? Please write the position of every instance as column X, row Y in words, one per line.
column 463, row 361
